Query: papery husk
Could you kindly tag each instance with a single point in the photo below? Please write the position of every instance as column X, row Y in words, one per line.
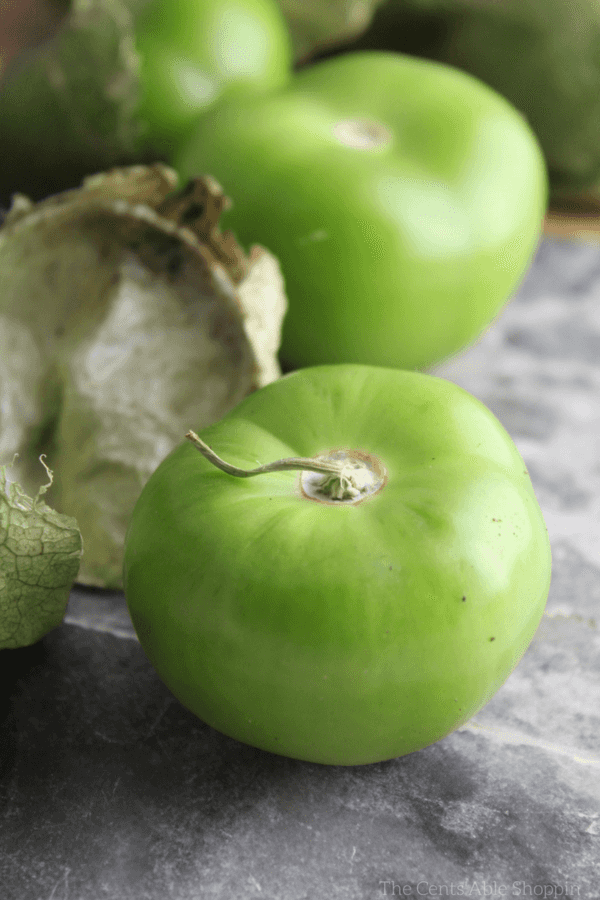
column 126, row 317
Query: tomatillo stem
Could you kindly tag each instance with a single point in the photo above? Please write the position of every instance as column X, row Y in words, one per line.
column 348, row 476
column 292, row 462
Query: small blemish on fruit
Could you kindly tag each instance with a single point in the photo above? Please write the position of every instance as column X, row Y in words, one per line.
column 362, row 134
column 464, row 599
column 492, row 639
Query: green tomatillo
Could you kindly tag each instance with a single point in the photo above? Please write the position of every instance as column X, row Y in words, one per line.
column 403, row 198
column 366, row 590
column 194, row 54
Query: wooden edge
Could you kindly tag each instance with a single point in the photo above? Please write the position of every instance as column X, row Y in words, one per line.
column 576, row 217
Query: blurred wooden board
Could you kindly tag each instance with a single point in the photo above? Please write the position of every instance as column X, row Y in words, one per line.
column 577, row 217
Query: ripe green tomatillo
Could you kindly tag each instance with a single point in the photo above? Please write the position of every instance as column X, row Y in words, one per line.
column 403, row 198
column 194, row 53
column 365, row 592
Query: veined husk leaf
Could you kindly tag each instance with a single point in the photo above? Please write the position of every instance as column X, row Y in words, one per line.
column 40, row 553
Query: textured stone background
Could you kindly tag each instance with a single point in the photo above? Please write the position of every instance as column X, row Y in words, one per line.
column 110, row 789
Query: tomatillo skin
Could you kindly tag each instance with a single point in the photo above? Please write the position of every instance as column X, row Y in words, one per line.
column 341, row 631
column 403, row 198
column 195, row 53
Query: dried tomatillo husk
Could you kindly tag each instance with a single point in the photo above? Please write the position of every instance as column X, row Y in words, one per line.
column 125, row 316
column 40, row 553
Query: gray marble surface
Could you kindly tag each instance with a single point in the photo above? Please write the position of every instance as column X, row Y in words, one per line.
column 110, row 789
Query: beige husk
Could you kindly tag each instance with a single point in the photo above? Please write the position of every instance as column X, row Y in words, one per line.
column 126, row 317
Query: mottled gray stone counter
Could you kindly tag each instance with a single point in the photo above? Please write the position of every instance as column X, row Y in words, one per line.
column 110, row 789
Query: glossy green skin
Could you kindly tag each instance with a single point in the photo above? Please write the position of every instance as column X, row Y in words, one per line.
column 394, row 255
column 334, row 633
column 195, row 53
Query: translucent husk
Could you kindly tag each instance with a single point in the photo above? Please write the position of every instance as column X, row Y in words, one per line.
column 125, row 316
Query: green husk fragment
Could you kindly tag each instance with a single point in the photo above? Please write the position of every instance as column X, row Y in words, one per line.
column 40, row 553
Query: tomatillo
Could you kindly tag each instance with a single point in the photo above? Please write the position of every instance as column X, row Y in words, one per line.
column 366, row 591
column 195, row 53
column 403, row 198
